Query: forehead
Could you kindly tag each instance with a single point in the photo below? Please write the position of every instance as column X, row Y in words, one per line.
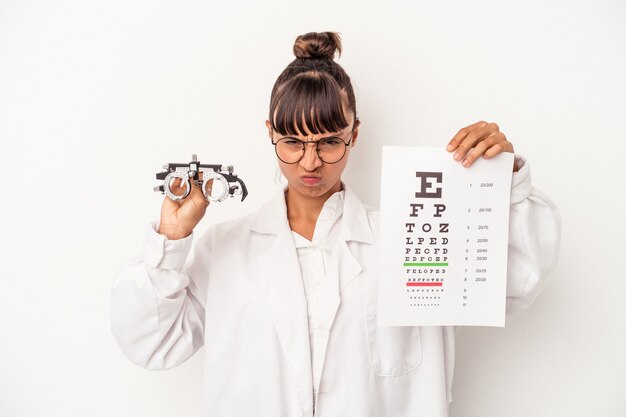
column 308, row 132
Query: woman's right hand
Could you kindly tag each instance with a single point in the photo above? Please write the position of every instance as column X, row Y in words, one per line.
column 179, row 218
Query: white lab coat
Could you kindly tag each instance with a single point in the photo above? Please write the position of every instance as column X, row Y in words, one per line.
column 241, row 297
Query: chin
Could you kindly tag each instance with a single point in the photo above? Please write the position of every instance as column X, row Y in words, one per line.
column 317, row 190
column 313, row 190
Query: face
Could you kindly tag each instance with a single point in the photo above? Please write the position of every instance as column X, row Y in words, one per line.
column 311, row 177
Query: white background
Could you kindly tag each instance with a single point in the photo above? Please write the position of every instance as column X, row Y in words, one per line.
column 96, row 96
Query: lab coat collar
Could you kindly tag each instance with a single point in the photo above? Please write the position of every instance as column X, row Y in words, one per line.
column 272, row 217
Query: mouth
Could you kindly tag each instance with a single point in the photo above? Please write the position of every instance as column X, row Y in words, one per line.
column 310, row 179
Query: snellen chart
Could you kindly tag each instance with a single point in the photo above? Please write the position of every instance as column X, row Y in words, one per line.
column 443, row 238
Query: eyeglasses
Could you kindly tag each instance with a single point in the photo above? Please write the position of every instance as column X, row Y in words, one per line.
column 330, row 150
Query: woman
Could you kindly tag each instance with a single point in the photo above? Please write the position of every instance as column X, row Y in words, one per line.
column 284, row 299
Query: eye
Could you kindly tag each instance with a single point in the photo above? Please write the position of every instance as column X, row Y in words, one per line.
column 332, row 141
column 290, row 141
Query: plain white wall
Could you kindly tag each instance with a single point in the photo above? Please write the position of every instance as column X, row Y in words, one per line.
column 96, row 96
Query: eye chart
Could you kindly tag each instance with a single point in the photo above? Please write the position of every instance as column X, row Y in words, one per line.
column 443, row 238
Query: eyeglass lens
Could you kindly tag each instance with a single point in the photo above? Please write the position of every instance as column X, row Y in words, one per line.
column 291, row 150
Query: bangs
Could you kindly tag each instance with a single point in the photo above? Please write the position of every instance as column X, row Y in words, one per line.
column 308, row 100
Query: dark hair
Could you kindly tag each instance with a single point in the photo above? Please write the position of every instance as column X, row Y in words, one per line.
column 312, row 83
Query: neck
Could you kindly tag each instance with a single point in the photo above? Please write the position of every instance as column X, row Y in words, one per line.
column 305, row 208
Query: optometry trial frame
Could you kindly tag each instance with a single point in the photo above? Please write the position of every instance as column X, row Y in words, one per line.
column 230, row 184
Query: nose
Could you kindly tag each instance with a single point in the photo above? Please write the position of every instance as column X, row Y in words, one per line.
column 310, row 160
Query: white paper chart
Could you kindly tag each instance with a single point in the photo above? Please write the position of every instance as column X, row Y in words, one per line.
column 443, row 238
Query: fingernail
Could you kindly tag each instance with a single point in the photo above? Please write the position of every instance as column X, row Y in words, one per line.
column 449, row 147
column 457, row 155
column 465, row 163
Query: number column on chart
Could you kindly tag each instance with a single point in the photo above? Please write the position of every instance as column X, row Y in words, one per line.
column 476, row 239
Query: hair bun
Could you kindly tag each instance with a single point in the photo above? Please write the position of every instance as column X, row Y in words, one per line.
column 317, row 45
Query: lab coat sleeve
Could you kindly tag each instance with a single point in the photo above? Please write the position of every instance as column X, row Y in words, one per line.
column 534, row 240
column 156, row 312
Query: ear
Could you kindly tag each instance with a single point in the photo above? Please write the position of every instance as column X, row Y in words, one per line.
column 269, row 128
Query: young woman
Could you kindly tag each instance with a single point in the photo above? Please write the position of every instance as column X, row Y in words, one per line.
column 284, row 299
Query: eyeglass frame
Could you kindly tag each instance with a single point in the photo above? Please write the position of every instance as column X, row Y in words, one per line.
column 317, row 149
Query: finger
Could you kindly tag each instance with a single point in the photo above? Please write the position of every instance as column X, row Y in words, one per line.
column 210, row 184
column 472, row 138
column 175, row 183
column 195, row 186
column 196, row 183
column 177, row 187
column 462, row 133
column 197, row 194
column 498, row 148
column 480, row 148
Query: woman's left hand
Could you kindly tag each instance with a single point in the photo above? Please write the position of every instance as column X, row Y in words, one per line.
column 485, row 139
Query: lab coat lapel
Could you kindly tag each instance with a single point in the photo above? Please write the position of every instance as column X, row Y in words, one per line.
column 279, row 277
column 343, row 267
column 355, row 230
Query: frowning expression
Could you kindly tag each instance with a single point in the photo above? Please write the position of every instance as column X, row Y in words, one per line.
column 311, row 176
